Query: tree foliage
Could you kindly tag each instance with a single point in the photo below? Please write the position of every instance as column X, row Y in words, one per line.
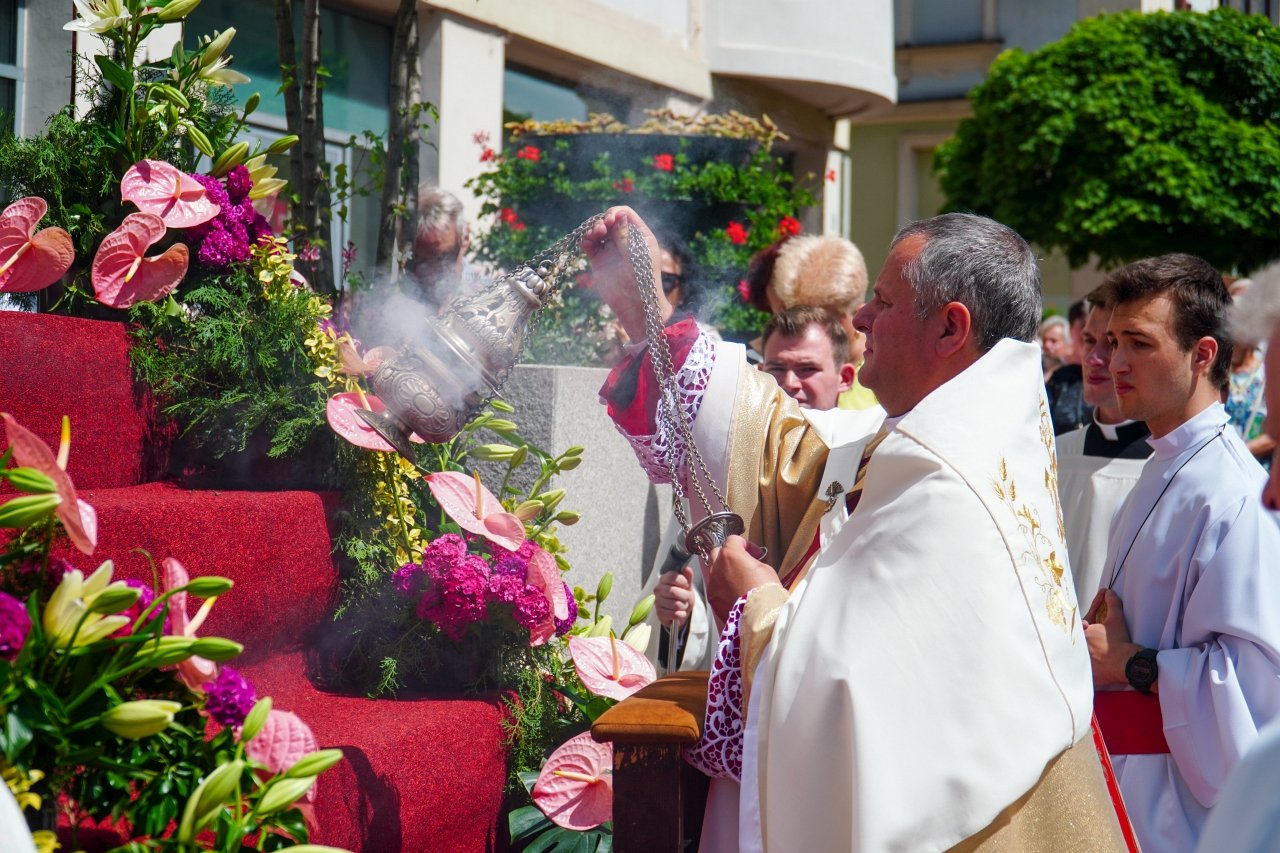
column 1134, row 135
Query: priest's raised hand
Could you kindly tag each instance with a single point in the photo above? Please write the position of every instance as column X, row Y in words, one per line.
column 735, row 571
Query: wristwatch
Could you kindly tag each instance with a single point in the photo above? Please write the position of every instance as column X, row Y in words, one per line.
column 1142, row 671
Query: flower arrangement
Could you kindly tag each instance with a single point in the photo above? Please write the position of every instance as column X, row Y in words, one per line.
column 713, row 180
column 107, row 690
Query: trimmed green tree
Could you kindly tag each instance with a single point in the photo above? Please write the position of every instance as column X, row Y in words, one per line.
column 1133, row 135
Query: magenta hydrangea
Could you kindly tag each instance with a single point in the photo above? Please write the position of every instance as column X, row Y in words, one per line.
column 409, row 580
column 146, row 596
column 563, row 626
column 238, row 184
column 531, row 608
column 226, row 239
column 504, row 587
column 15, row 625
column 457, row 595
column 229, row 698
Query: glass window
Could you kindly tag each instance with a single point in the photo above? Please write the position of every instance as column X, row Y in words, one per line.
column 355, row 51
column 9, row 32
column 526, row 94
column 945, row 21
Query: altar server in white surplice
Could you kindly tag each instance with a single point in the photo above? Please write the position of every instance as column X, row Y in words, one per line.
column 1099, row 463
column 910, row 656
column 1185, row 635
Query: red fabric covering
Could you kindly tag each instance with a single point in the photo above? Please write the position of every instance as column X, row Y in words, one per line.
column 1131, row 723
column 631, row 390
column 52, row 366
column 420, row 775
column 1113, row 788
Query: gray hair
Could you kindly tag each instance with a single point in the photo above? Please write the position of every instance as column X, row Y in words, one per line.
column 437, row 209
column 1256, row 313
column 983, row 265
column 1056, row 320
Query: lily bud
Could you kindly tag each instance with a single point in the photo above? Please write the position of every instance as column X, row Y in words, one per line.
column 314, row 763
column 282, row 794
column 255, row 719
column 31, row 481
column 171, row 95
column 568, row 517
column 283, row 144
column 638, row 637
column 209, row 586
column 518, row 458
column 217, row 649
column 28, row 509
column 167, row 650
column 229, row 159
column 177, row 10
column 113, row 599
column 569, row 463
column 207, row 799
column 492, row 452
column 199, row 140
column 143, row 718
column 552, row 498
column 604, row 587
column 576, row 450
column 217, row 47
column 528, row 510
column 603, row 628
column 502, row 406
column 501, row 425
column 641, row 611
column 251, row 104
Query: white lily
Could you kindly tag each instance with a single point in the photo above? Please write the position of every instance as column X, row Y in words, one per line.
column 98, row 16
column 218, row 74
column 70, row 603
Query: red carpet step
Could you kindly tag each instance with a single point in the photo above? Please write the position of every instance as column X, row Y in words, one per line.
column 52, row 366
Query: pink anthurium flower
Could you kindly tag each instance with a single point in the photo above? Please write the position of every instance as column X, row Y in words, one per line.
column 78, row 518
column 30, row 259
column 194, row 671
column 284, row 739
column 168, row 192
column 575, row 787
column 123, row 274
column 610, row 668
column 475, row 509
column 545, row 576
column 341, row 414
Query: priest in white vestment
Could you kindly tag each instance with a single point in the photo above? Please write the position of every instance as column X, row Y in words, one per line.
column 1185, row 637
column 1098, row 463
column 919, row 679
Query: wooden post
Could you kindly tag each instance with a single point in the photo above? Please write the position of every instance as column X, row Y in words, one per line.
column 658, row 798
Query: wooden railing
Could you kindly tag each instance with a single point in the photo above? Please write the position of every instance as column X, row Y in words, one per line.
column 658, row 798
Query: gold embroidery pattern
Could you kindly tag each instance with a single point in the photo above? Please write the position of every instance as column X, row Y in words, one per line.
column 1042, row 548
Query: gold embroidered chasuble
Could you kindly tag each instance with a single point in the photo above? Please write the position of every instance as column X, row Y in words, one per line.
column 929, row 666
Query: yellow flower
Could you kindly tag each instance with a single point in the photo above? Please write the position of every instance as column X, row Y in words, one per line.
column 20, row 784
column 46, row 841
column 73, row 601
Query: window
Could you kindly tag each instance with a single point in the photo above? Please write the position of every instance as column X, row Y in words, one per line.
column 526, row 94
column 10, row 66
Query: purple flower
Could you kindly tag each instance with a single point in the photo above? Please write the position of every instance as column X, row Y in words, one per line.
column 458, row 593
column 229, row 697
column 15, row 624
column 145, row 598
column 214, row 190
column 218, row 247
column 563, row 626
column 505, row 588
column 348, row 257
column 442, row 553
column 238, row 184
column 531, row 608
column 259, row 227
column 511, row 564
column 409, row 580
column 308, row 253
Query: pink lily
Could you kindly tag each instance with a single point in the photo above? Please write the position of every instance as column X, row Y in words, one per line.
column 168, row 192
column 475, row 509
column 610, row 668
column 31, row 259
column 575, row 787
column 78, row 518
column 341, row 414
column 545, row 575
column 123, row 274
column 194, row 671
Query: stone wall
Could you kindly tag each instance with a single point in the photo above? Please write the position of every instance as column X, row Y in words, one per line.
column 622, row 513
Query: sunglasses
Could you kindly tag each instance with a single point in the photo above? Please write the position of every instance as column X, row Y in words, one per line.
column 671, row 280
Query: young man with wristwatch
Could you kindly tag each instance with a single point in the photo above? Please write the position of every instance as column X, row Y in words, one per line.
column 1184, row 636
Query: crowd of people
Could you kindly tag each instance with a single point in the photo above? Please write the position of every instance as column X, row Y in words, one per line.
column 935, row 597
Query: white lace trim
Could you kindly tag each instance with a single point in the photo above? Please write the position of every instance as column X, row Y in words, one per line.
column 691, row 379
column 719, row 752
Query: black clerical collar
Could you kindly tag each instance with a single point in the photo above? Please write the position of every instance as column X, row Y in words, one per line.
column 1126, row 440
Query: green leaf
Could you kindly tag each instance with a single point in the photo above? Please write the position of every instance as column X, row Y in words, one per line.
column 114, row 74
column 526, row 822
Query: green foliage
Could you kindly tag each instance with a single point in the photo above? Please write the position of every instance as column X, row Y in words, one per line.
column 1134, row 135
column 728, row 197
column 232, row 365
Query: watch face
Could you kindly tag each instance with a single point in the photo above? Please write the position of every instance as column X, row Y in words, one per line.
column 1141, row 670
